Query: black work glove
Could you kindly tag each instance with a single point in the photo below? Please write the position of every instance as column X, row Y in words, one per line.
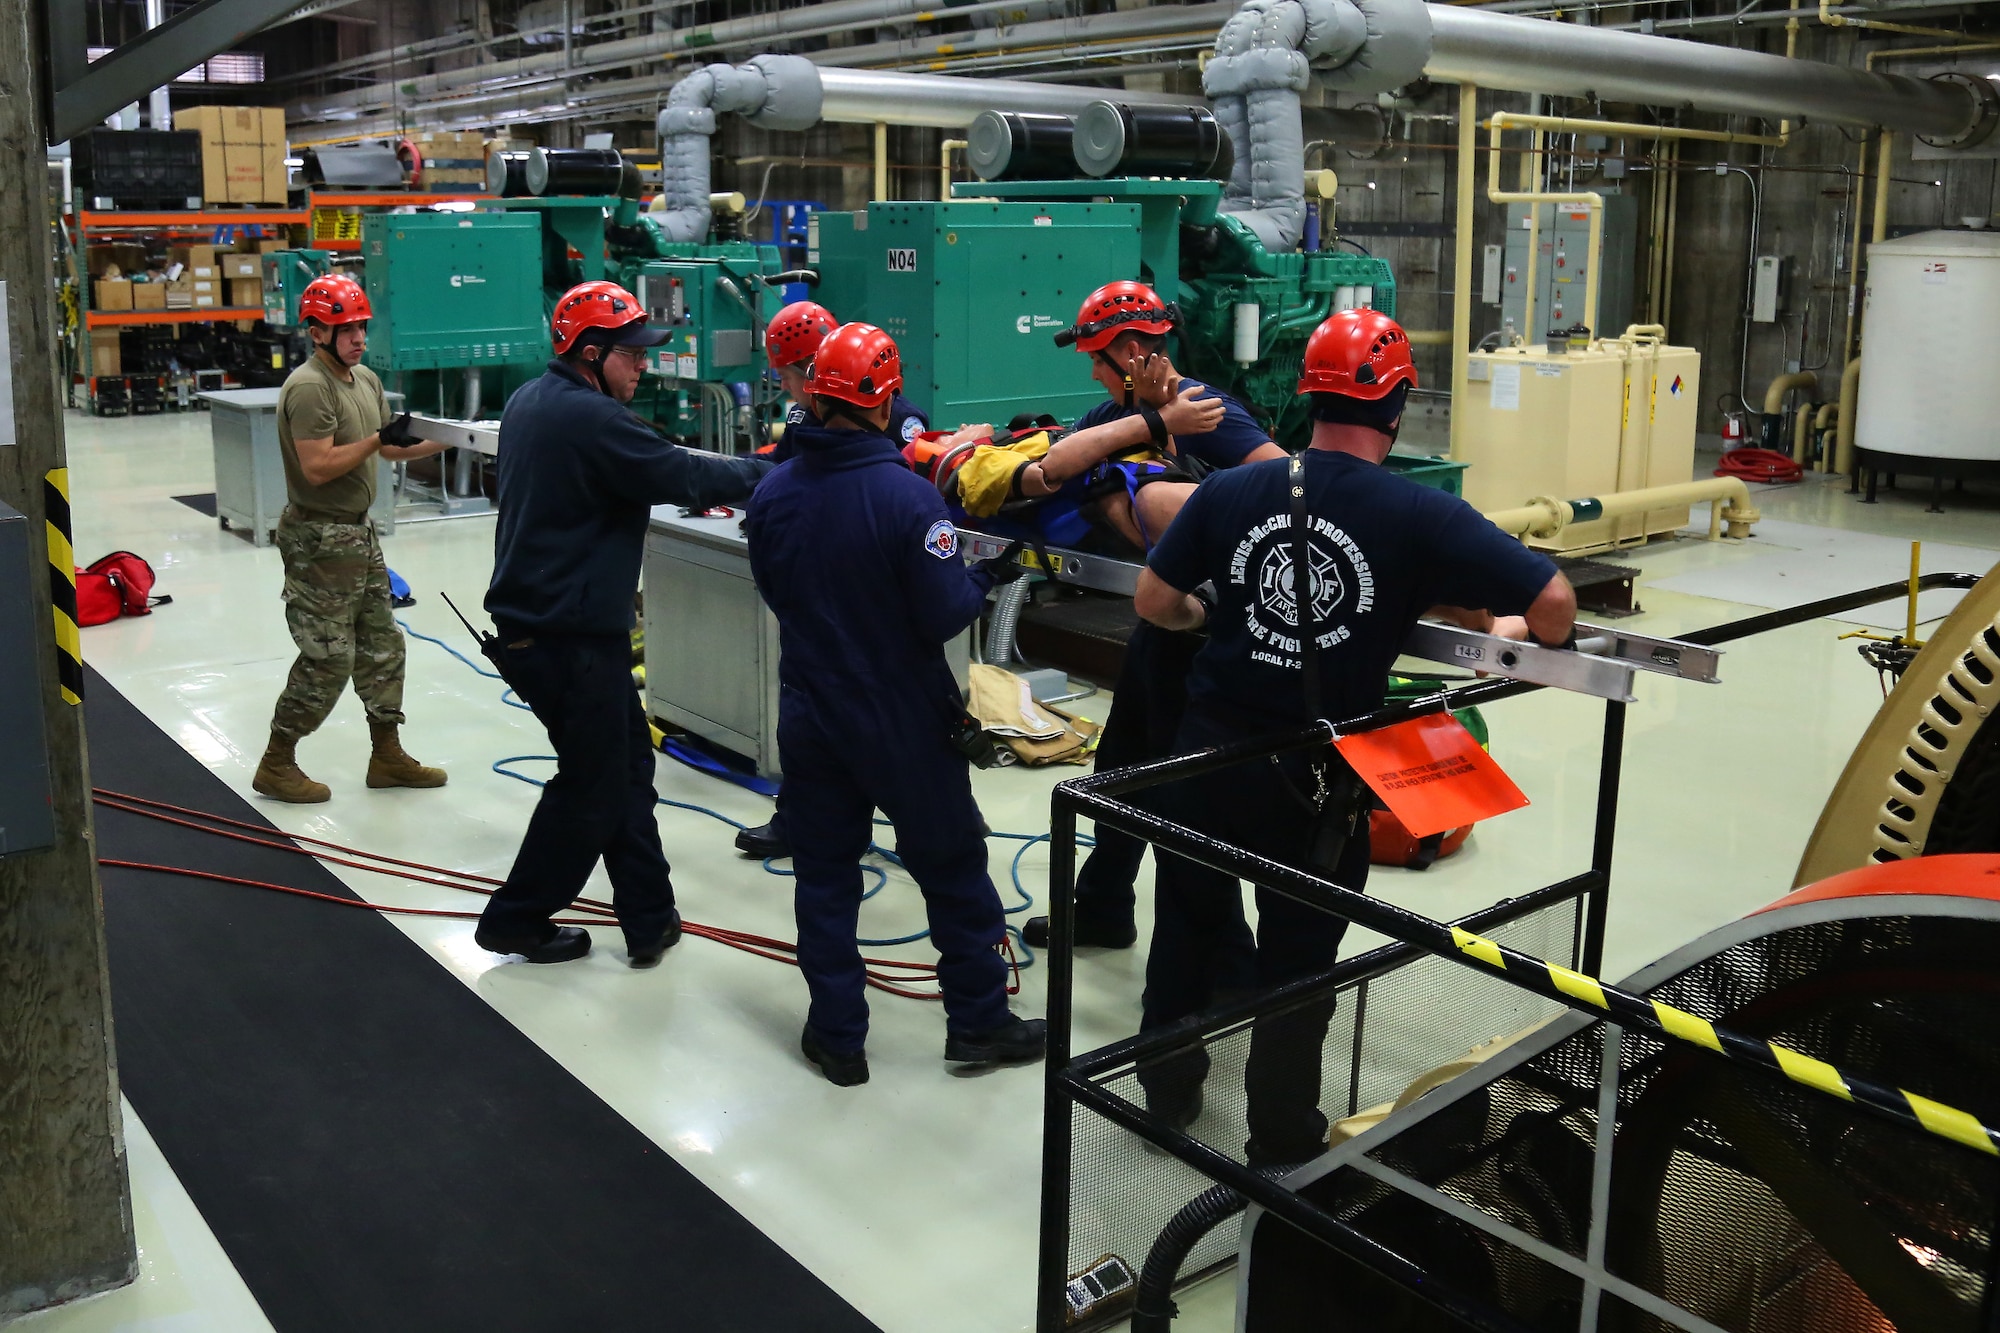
column 1001, row 568
column 398, row 433
column 1569, row 642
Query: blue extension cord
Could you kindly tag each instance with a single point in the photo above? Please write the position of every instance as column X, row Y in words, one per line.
column 1027, row 840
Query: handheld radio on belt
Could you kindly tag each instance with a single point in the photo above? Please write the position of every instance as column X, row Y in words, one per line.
column 1335, row 802
column 489, row 644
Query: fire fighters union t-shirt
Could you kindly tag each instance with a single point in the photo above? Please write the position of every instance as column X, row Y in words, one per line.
column 1383, row 549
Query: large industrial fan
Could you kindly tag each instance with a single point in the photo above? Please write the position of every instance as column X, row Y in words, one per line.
column 1594, row 1179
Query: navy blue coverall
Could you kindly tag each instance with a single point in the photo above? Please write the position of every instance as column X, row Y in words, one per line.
column 579, row 474
column 855, row 557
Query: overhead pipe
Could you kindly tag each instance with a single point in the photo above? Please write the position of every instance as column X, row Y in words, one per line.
column 780, row 92
column 1830, row 19
column 1571, row 60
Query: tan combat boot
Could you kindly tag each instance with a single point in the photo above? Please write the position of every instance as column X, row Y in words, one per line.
column 278, row 775
column 388, row 766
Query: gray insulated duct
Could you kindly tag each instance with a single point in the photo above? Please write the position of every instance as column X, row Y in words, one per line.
column 1264, row 57
column 770, row 91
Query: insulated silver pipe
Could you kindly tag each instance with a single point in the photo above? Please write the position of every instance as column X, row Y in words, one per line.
column 866, row 96
column 1537, row 55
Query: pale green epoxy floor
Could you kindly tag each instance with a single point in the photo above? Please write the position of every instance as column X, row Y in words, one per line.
column 1722, row 786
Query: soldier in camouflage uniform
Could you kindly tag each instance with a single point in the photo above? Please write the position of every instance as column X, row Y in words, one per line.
column 333, row 420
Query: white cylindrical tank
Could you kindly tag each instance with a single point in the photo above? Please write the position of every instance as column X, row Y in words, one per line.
column 1930, row 385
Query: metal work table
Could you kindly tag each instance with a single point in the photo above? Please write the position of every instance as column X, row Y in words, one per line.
column 250, row 466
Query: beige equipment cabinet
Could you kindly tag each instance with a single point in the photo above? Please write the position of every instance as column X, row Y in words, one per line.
column 1617, row 416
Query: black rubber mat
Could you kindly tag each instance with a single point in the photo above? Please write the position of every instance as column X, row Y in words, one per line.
column 374, row 1146
column 201, row 504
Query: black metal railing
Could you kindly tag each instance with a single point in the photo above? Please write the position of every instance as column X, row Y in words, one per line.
column 1073, row 1080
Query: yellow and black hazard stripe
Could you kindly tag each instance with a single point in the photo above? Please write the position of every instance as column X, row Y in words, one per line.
column 62, row 584
column 1678, row 1025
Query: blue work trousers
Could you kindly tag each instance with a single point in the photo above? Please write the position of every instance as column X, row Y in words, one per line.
column 837, row 774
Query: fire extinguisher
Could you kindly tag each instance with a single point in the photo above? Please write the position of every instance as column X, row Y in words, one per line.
column 1733, row 422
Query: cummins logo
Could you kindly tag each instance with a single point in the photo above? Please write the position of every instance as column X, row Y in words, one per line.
column 465, row 279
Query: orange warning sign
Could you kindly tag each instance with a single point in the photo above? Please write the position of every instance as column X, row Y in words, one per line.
column 1431, row 774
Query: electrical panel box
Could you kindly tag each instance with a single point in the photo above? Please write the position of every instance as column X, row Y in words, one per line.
column 454, row 289
column 287, row 274
column 973, row 291
column 27, row 820
column 1617, row 417
column 1560, row 276
column 1767, row 288
column 707, row 308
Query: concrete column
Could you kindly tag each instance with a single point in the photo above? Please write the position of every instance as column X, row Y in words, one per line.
column 65, row 1211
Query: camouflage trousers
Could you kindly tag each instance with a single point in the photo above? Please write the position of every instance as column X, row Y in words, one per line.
column 338, row 609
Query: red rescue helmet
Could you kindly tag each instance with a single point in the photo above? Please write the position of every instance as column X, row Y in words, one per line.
column 334, row 299
column 1115, row 308
column 602, row 305
column 796, row 332
column 857, row 363
column 1358, row 354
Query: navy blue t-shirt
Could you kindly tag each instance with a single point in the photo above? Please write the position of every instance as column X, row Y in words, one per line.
column 906, row 422
column 1234, row 438
column 1384, row 551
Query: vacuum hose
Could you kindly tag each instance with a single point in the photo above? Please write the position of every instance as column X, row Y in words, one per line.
column 1154, row 1308
column 1005, row 620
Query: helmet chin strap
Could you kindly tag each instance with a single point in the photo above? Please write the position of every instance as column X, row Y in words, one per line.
column 1120, row 371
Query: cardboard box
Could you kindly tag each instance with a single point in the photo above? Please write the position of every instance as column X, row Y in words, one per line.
column 203, row 301
column 114, row 294
column 272, row 247
column 104, row 354
column 246, row 292
column 195, row 257
column 253, row 173
column 180, row 293
column 234, row 124
column 149, row 296
column 102, row 259
column 241, row 266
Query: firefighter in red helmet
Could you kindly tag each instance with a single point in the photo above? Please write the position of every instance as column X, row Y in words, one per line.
column 790, row 340
column 579, row 475
column 857, row 559
column 333, row 422
column 1321, row 564
column 1124, row 327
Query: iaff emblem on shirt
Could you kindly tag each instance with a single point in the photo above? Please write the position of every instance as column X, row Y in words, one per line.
column 942, row 540
column 911, row 429
column 1339, row 584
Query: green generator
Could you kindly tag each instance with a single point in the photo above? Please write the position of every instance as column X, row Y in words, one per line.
column 973, row 291
column 708, row 379
column 287, row 274
column 454, row 290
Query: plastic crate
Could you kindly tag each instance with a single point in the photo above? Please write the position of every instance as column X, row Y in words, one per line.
column 1438, row 473
column 139, row 168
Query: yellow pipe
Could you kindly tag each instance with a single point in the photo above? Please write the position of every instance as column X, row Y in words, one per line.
column 1729, row 502
column 1916, row 570
column 1902, row 52
column 1833, row 20
column 1591, row 203
column 1428, row 337
column 1461, row 284
column 1666, row 315
column 881, row 159
column 1774, row 397
column 1885, row 156
column 1850, row 397
column 944, row 165
column 1802, row 437
column 1567, row 125
column 1854, row 253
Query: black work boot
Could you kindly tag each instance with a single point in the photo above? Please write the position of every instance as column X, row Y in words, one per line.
column 763, row 842
column 843, row 1071
column 1016, row 1041
column 649, row 954
column 567, row 943
column 1090, row 933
